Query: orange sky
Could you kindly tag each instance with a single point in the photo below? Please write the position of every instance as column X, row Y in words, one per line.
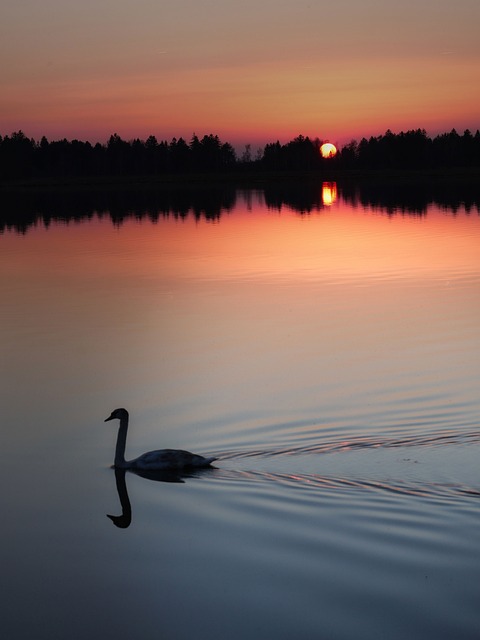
column 250, row 72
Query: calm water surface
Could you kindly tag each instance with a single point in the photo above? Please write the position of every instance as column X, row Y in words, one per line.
column 330, row 358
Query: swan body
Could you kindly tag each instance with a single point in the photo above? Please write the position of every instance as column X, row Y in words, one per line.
column 162, row 459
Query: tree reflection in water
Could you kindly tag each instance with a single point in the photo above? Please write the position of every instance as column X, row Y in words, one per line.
column 23, row 209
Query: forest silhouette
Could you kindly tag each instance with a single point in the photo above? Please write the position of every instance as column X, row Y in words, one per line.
column 23, row 158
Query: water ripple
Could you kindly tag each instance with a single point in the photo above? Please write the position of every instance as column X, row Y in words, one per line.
column 329, row 483
column 363, row 442
column 355, row 479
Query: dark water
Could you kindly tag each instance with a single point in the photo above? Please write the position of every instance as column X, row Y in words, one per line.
column 323, row 345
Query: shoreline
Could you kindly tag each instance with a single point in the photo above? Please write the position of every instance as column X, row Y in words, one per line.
column 243, row 179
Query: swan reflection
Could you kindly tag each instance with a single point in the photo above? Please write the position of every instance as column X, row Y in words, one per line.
column 124, row 520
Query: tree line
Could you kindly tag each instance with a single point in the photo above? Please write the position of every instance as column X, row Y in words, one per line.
column 413, row 150
column 23, row 158
column 408, row 150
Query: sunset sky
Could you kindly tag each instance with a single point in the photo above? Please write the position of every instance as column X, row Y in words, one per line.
column 252, row 72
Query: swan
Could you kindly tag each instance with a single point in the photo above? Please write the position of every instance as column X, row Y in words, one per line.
column 162, row 459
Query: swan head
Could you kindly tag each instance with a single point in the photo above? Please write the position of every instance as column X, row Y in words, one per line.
column 117, row 414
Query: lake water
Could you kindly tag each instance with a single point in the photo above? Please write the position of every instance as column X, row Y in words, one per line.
column 323, row 343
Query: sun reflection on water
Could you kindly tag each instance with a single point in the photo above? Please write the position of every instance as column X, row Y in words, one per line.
column 329, row 193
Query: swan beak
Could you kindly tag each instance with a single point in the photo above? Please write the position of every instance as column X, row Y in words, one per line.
column 109, row 418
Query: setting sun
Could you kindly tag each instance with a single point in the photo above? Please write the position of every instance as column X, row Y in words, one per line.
column 328, row 150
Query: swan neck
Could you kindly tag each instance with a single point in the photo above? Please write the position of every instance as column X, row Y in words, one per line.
column 121, row 443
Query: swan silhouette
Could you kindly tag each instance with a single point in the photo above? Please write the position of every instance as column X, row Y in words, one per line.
column 160, row 460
